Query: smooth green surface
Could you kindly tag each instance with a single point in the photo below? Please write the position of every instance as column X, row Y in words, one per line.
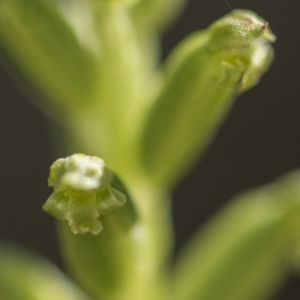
column 24, row 276
column 153, row 16
column 43, row 47
column 127, row 260
column 246, row 251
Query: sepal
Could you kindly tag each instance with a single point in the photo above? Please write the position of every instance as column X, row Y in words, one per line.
column 261, row 57
column 110, row 200
column 57, row 205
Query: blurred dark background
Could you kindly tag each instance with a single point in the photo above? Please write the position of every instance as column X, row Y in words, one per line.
column 259, row 141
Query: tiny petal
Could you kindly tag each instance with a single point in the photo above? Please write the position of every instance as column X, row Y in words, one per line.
column 83, row 215
column 57, row 205
column 110, row 200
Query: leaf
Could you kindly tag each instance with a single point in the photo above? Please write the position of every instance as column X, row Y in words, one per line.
column 245, row 252
column 47, row 48
column 24, row 276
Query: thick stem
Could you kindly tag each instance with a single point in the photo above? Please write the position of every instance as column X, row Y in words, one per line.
column 128, row 260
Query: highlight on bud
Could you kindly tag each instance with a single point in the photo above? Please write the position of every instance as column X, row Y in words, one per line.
column 233, row 33
column 261, row 55
column 82, row 192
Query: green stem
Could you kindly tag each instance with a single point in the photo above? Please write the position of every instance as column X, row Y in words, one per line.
column 124, row 262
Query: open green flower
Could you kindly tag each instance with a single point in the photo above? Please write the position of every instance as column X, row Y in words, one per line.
column 82, row 192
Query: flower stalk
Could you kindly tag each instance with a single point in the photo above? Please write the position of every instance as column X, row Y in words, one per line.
column 93, row 65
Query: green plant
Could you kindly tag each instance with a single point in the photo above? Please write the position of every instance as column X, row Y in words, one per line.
column 93, row 66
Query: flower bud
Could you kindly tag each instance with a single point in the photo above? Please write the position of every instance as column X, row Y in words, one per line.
column 233, row 33
column 200, row 80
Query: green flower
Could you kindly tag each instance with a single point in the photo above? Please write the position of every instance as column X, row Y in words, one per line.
column 82, row 192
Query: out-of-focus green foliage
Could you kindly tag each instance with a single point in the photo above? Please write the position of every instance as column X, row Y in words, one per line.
column 94, row 66
column 246, row 251
column 25, row 276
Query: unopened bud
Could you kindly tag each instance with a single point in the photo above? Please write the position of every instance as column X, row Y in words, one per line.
column 233, row 33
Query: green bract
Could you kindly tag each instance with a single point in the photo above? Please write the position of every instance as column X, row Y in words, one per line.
column 199, row 82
